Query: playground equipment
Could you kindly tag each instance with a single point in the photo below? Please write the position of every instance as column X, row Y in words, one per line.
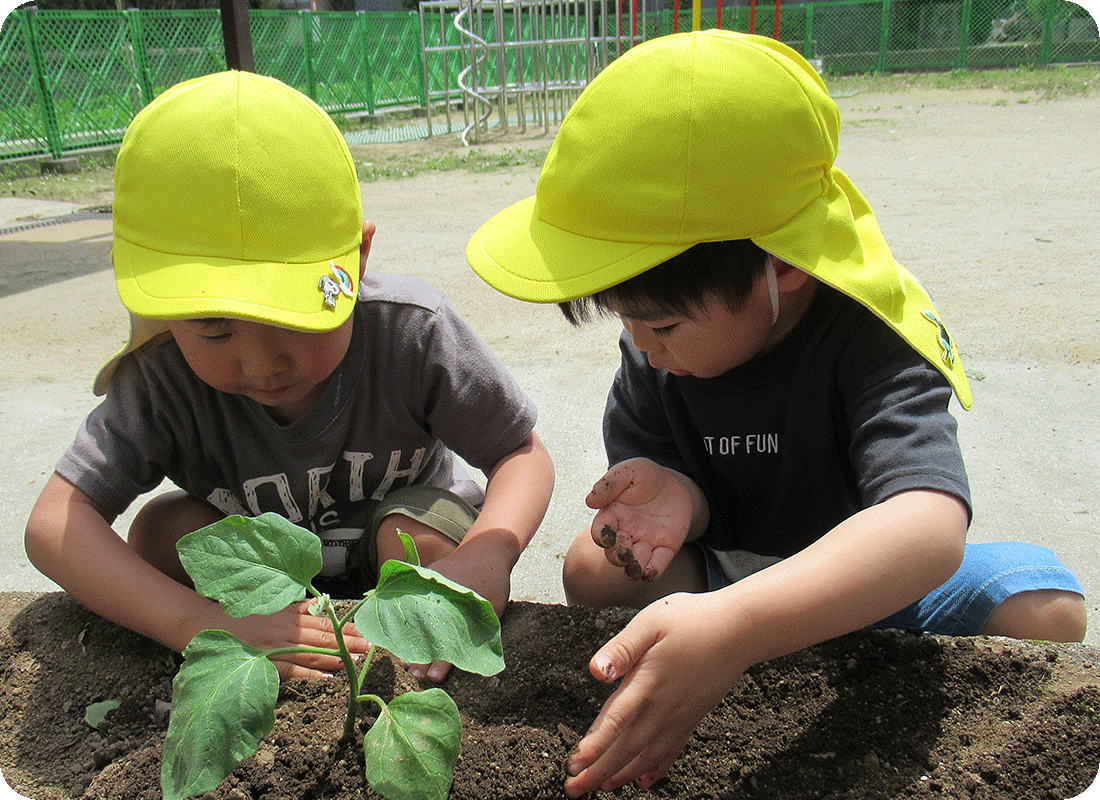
column 508, row 63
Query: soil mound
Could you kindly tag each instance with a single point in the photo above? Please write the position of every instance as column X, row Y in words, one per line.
column 875, row 714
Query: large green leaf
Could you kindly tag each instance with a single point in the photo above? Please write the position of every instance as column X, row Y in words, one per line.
column 412, row 748
column 223, row 705
column 421, row 617
column 252, row 565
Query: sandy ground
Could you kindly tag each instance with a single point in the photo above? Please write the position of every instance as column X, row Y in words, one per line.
column 990, row 198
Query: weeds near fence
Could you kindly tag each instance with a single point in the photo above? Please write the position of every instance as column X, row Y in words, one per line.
column 413, row 163
column 1050, row 83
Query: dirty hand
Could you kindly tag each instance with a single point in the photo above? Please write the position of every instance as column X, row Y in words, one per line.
column 645, row 512
column 673, row 673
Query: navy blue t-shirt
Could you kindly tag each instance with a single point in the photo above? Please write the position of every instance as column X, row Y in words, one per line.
column 840, row 415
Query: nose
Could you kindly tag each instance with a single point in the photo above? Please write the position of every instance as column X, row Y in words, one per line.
column 263, row 353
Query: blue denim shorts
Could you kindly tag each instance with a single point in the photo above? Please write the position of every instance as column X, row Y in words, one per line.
column 989, row 575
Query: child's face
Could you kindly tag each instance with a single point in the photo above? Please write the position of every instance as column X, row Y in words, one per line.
column 281, row 369
column 709, row 342
column 284, row 370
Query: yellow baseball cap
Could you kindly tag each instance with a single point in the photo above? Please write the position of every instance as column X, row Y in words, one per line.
column 235, row 196
column 696, row 137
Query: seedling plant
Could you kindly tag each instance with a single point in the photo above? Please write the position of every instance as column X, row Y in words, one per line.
column 224, row 695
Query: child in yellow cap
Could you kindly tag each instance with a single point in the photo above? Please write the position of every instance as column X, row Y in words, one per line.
column 267, row 370
column 784, row 468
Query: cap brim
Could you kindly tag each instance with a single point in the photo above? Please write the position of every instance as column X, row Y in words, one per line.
column 519, row 254
column 166, row 286
column 837, row 239
column 142, row 332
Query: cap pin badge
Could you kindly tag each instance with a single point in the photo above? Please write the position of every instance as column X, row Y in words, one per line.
column 339, row 283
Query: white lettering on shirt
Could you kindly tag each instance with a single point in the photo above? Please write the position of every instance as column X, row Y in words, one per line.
column 318, row 479
column 743, row 444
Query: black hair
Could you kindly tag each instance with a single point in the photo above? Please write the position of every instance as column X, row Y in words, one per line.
column 680, row 285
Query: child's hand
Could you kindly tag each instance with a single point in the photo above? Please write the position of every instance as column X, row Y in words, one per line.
column 294, row 626
column 481, row 568
column 673, row 673
column 645, row 513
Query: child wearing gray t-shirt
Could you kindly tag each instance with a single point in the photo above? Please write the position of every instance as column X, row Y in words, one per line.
column 268, row 371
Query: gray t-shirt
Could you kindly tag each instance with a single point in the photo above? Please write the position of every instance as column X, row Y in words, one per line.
column 417, row 386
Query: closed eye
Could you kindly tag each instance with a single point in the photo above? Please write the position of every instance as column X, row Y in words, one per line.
column 213, row 329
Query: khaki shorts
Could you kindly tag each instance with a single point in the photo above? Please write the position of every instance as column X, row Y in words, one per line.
column 437, row 508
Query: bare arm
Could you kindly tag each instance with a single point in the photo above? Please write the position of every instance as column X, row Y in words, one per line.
column 517, row 494
column 69, row 539
column 674, row 671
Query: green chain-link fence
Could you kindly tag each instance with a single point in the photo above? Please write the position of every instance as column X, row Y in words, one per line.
column 71, row 80
column 74, row 79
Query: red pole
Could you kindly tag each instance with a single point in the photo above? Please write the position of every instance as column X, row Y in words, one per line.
column 718, row 22
column 633, row 22
column 619, row 22
column 777, row 2
column 675, row 16
column 752, row 16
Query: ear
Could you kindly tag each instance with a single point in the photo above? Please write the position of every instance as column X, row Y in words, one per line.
column 364, row 247
column 789, row 277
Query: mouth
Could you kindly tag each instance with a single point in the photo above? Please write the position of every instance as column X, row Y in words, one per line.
column 678, row 372
column 271, row 396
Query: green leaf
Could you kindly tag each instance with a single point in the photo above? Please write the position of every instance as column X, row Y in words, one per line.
column 411, row 555
column 412, row 748
column 252, row 565
column 96, row 713
column 223, row 705
column 421, row 616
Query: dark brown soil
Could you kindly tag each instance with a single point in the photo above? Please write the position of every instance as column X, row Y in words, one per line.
column 876, row 714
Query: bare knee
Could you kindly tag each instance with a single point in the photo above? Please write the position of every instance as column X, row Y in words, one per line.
column 431, row 545
column 161, row 523
column 1050, row 615
column 584, row 575
column 589, row 579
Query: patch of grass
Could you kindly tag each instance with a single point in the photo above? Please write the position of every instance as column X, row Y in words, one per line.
column 1088, row 705
column 25, row 179
column 410, row 164
column 1050, row 83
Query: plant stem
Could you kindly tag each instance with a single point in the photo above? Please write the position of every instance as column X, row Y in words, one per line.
column 349, row 667
column 320, row 651
column 351, row 611
column 366, row 664
column 381, row 703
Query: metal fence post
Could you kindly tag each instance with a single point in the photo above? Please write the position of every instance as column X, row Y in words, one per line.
column 307, row 52
column 237, row 35
column 368, row 74
column 45, row 92
column 884, row 37
column 808, row 47
column 139, row 52
column 964, row 35
column 1048, row 30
